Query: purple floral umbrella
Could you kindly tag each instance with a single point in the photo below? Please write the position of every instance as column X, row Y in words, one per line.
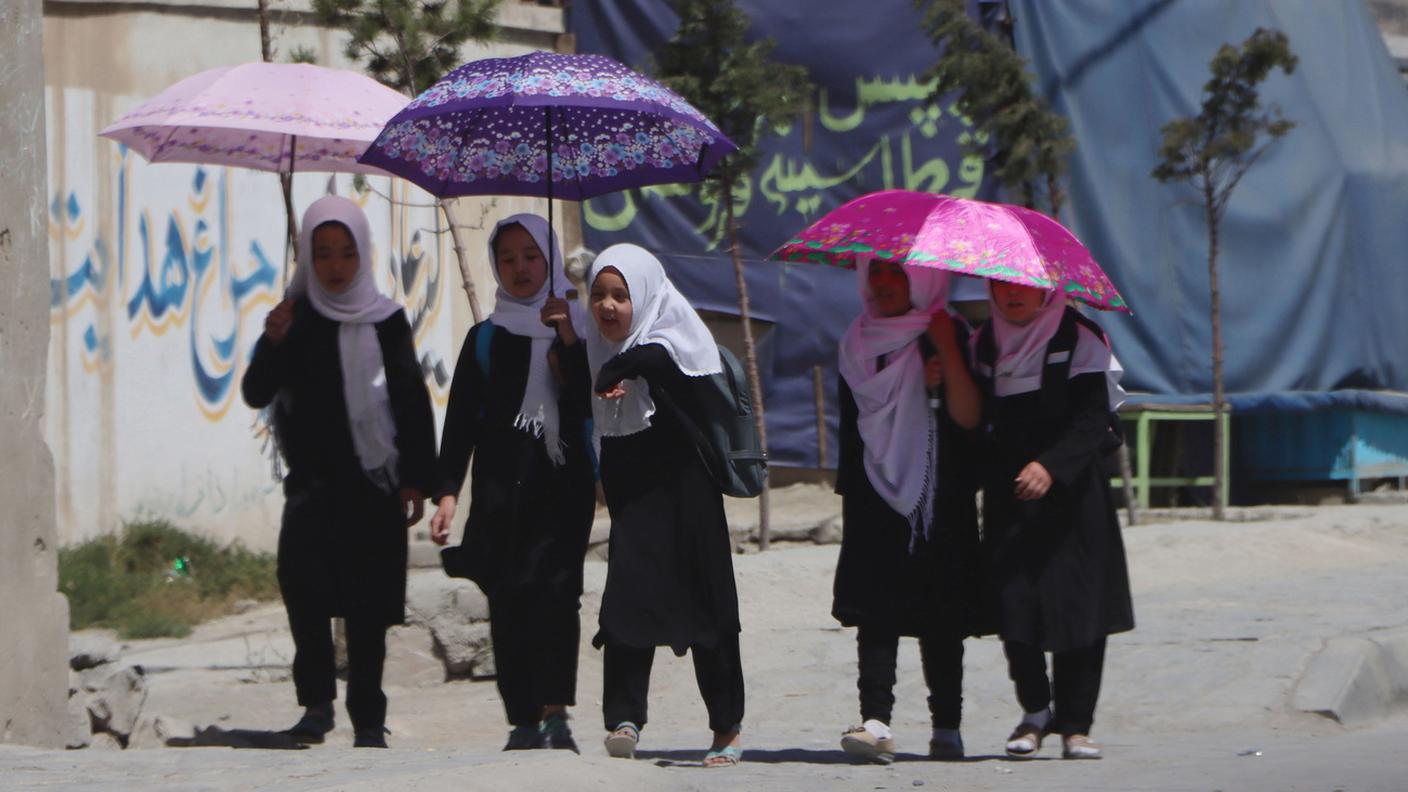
column 487, row 128
column 976, row 238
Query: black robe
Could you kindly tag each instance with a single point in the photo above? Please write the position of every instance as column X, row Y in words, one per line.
column 342, row 546
column 1055, row 567
column 529, row 520
column 934, row 590
column 669, row 579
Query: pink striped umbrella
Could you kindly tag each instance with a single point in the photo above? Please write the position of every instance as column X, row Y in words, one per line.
column 977, row 238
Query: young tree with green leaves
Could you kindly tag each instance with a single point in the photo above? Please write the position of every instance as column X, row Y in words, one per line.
column 409, row 44
column 1024, row 141
column 713, row 65
column 1212, row 151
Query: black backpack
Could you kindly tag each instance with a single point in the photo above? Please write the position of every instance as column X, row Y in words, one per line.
column 1055, row 374
column 724, row 432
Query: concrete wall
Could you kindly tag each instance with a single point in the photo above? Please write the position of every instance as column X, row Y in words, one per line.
column 161, row 275
column 33, row 615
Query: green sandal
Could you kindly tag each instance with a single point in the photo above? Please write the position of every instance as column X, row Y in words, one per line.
column 728, row 756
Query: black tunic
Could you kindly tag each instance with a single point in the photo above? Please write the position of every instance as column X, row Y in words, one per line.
column 342, row 547
column 934, row 590
column 1055, row 567
column 669, row 579
column 529, row 520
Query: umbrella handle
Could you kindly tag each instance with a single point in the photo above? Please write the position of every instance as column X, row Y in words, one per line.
column 547, row 123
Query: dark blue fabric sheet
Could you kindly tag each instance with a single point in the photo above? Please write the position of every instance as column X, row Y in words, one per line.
column 1312, row 263
column 870, row 131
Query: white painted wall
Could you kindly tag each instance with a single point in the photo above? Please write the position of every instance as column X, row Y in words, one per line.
column 161, row 275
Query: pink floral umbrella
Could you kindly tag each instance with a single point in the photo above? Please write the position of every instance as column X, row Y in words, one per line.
column 976, row 238
column 281, row 117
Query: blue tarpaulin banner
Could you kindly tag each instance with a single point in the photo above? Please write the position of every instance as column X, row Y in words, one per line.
column 871, row 129
column 1313, row 256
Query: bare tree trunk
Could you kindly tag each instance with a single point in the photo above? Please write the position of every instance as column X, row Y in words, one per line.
column 1131, row 505
column 750, row 354
column 266, row 51
column 466, row 277
column 1219, row 404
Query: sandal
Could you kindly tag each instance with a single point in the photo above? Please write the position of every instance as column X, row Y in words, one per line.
column 621, row 743
column 728, row 756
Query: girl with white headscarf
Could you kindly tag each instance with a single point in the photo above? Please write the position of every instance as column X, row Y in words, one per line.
column 337, row 364
column 518, row 408
column 1056, row 579
column 909, row 520
column 669, row 579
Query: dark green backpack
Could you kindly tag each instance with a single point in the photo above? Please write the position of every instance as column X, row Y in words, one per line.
column 724, row 432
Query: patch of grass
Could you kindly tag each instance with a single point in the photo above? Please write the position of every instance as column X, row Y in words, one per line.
column 129, row 582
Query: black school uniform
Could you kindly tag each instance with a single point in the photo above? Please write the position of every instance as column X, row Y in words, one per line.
column 1054, row 569
column 529, row 520
column 342, row 544
column 670, row 575
column 887, row 591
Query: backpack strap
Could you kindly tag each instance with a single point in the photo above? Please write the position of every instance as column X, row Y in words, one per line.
column 482, row 341
column 483, row 345
column 1056, row 371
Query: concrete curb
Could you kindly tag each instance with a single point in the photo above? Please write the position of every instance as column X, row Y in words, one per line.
column 1356, row 679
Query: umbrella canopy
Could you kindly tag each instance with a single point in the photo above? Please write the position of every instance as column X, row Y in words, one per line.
column 281, row 117
column 977, row 238
column 487, row 128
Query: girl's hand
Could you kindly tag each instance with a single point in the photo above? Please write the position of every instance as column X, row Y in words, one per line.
column 413, row 499
column 941, row 332
column 1033, row 482
column 277, row 323
column 444, row 517
column 614, row 392
column 933, row 372
column 554, row 314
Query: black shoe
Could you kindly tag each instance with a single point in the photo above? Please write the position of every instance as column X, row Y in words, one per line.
column 525, row 738
column 315, row 724
column 371, row 738
column 557, row 734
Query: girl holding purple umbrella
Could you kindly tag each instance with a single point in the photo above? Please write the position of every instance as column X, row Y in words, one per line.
column 518, row 406
column 338, row 366
column 909, row 546
column 1055, row 573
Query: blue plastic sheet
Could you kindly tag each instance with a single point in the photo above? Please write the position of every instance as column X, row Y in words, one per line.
column 1312, row 255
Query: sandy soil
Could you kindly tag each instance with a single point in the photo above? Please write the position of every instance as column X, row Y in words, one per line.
column 1198, row 697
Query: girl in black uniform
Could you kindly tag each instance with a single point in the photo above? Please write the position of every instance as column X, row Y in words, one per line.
column 909, row 548
column 1054, row 559
column 354, row 423
column 518, row 405
column 669, row 580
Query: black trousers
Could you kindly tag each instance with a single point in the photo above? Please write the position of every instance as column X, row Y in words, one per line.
column 1075, row 683
column 877, row 650
column 718, row 670
column 315, row 671
column 535, row 653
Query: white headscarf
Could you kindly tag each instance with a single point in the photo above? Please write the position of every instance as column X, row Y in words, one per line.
column 523, row 316
column 1021, row 351
column 900, row 460
column 659, row 315
column 357, row 309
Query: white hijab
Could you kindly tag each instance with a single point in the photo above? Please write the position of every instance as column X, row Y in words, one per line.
column 659, row 315
column 900, row 460
column 357, row 309
column 1021, row 351
column 523, row 316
